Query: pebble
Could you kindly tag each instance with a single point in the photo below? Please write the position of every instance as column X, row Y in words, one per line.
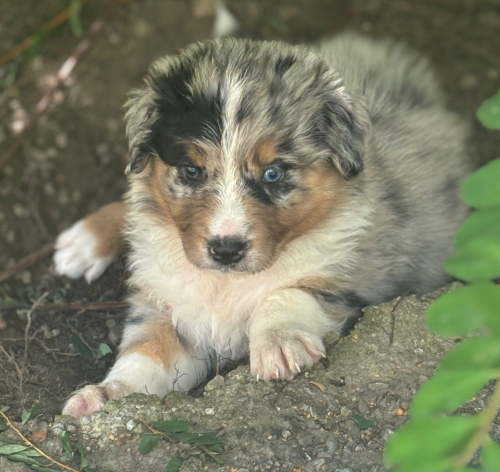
column 209, row 411
column 131, row 425
column 468, row 82
column 85, row 420
column 71, row 428
column 20, row 210
column 378, row 386
column 10, row 237
column 49, row 189
column 26, row 277
column 61, row 140
column 285, row 434
column 215, row 383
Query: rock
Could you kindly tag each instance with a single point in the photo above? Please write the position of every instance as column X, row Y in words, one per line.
column 215, row 383
column 292, row 423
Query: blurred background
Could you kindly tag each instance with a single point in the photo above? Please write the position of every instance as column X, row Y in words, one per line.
column 71, row 160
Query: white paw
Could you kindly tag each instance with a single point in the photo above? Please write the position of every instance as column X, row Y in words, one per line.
column 282, row 355
column 92, row 398
column 76, row 254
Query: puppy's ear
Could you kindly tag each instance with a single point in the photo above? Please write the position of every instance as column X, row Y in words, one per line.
column 345, row 126
column 139, row 118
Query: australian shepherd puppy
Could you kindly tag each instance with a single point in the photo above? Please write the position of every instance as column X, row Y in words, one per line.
column 274, row 191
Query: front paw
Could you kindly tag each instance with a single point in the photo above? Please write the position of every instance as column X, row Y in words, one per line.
column 77, row 254
column 281, row 355
column 92, row 398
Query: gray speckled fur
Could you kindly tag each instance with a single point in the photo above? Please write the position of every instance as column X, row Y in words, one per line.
column 402, row 152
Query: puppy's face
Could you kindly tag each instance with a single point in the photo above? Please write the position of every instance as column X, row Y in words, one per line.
column 249, row 147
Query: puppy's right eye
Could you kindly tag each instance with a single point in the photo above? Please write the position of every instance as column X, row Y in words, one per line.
column 192, row 173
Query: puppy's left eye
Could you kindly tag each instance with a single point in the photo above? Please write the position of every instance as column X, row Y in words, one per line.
column 272, row 175
column 192, row 172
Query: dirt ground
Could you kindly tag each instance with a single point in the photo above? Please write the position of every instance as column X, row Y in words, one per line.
column 74, row 159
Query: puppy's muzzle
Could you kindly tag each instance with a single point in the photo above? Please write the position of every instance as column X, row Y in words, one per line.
column 228, row 250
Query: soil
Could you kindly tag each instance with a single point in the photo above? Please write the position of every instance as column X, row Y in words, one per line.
column 73, row 160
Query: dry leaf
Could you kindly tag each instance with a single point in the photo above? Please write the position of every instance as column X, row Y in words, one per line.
column 318, row 385
column 38, row 436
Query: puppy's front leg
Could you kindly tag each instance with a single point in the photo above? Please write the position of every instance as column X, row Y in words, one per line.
column 152, row 360
column 286, row 334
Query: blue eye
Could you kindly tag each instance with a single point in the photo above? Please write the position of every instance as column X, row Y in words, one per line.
column 272, row 175
column 192, row 172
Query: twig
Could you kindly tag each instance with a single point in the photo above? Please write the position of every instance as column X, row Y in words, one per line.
column 157, row 431
column 52, row 24
column 487, row 416
column 63, row 73
column 19, row 373
column 28, row 324
column 75, row 306
column 30, row 444
column 27, row 261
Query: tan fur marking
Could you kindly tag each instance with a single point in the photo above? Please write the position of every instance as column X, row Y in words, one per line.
column 265, row 154
column 107, row 224
column 161, row 344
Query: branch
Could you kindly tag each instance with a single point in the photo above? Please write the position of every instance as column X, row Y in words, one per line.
column 27, row 261
column 30, row 444
column 74, row 306
column 27, row 42
column 62, row 75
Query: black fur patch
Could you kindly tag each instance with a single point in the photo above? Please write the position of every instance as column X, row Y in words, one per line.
column 182, row 115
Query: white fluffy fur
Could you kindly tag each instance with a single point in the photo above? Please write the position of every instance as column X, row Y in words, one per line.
column 75, row 254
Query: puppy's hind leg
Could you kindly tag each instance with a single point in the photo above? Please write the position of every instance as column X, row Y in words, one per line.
column 152, row 360
column 91, row 245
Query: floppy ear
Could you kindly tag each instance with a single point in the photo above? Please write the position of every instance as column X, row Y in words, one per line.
column 140, row 117
column 345, row 126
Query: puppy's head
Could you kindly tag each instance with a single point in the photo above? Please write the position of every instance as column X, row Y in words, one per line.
column 248, row 146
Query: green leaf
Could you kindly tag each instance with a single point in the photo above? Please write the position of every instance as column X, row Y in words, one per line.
column 83, row 350
column 489, row 112
column 465, row 310
column 490, row 457
column 103, row 350
column 4, row 408
column 26, row 415
column 216, row 459
column 3, row 424
column 478, row 223
column 362, row 422
column 148, row 442
column 448, row 390
column 173, row 426
column 64, row 437
column 481, row 352
column 43, row 469
column 175, row 463
column 207, row 439
column 83, row 460
column 479, row 260
column 481, row 189
column 216, row 449
column 31, row 453
column 432, row 466
column 22, row 458
column 440, row 438
column 7, row 440
column 184, row 437
column 12, row 448
column 75, row 13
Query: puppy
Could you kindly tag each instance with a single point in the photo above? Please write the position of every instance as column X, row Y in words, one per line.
column 274, row 192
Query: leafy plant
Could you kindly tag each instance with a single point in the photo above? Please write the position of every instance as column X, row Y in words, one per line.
column 432, row 440
column 176, row 432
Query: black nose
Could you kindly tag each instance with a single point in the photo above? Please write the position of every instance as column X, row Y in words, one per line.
column 227, row 250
